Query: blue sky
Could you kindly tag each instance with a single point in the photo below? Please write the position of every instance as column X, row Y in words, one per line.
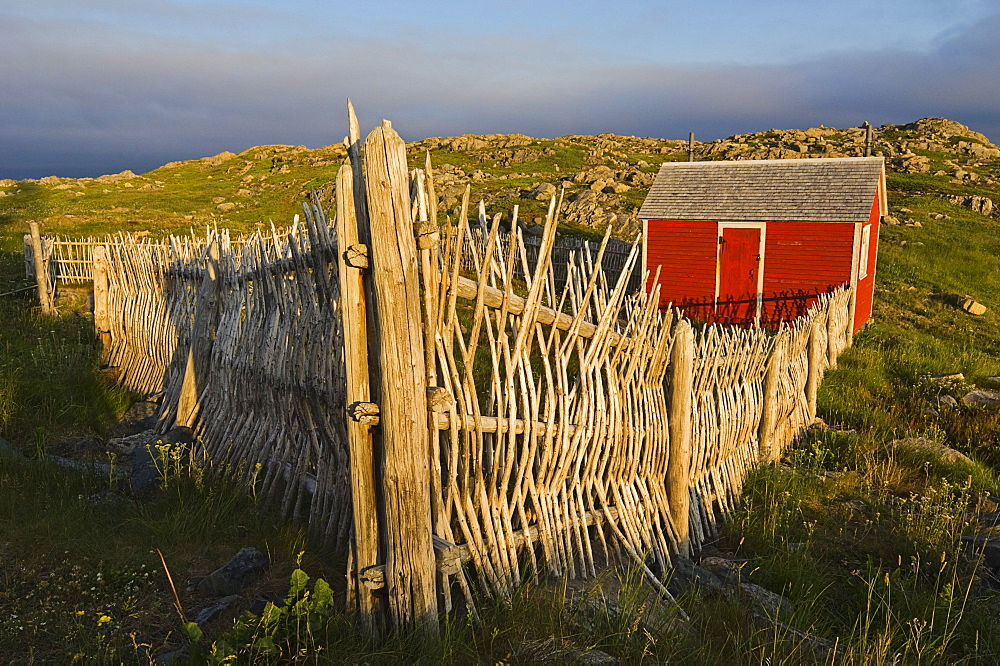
column 91, row 86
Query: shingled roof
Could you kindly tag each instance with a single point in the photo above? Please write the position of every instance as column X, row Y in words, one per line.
column 808, row 190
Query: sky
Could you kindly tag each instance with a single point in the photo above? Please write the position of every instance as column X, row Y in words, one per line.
column 89, row 87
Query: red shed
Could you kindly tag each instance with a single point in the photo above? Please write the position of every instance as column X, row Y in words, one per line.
column 760, row 240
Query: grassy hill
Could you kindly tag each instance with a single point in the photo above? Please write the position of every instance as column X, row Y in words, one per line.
column 861, row 537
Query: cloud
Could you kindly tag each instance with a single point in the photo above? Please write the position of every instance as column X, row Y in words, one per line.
column 78, row 99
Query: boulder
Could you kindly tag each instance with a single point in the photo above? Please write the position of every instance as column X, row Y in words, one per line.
column 988, row 545
column 977, row 204
column 771, row 603
column 923, row 447
column 6, row 448
column 991, row 519
column 543, row 192
column 914, row 164
column 980, row 398
column 973, row 307
column 945, row 401
column 687, row 575
column 216, row 608
column 145, row 459
column 236, row 574
column 216, row 160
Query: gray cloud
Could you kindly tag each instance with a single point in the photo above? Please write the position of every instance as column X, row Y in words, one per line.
column 72, row 108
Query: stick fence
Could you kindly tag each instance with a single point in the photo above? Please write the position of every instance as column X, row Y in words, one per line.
column 458, row 406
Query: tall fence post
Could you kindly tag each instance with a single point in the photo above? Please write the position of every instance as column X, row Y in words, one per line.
column 852, row 306
column 816, row 356
column 679, row 462
column 102, row 318
column 410, row 568
column 769, row 448
column 41, row 270
column 202, row 336
column 352, row 262
column 833, row 337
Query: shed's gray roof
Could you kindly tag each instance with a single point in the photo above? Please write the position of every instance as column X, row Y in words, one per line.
column 810, row 190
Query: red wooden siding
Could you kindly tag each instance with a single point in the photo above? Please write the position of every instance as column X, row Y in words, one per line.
column 866, row 287
column 801, row 261
column 686, row 250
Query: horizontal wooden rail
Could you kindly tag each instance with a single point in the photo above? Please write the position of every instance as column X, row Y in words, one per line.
column 495, row 298
column 450, row 556
column 501, row 425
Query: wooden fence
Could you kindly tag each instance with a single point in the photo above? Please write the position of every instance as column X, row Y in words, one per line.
column 459, row 414
column 613, row 260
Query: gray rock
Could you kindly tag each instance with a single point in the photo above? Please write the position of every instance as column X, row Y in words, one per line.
column 973, row 307
column 726, row 570
column 139, row 417
column 236, row 574
column 687, row 575
column 928, row 448
column 945, row 401
column 543, row 192
column 992, row 518
column 594, row 657
column 981, row 205
column 130, row 443
column 980, row 398
column 90, row 467
column 771, row 603
column 988, row 545
column 145, row 460
column 216, row 608
column 108, row 498
column 173, row 657
column 6, row 448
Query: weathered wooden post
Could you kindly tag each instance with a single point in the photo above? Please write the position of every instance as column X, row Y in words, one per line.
column 353, row 261
column 410, row 568
column 816, row 356
column 102, row 315
column 681, row 404
column 202, row 337
column 852, row 307
column 41, row 270
column 832, row 337
column 768, row 446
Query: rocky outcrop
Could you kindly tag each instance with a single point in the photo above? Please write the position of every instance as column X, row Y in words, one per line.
column 977, row 204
